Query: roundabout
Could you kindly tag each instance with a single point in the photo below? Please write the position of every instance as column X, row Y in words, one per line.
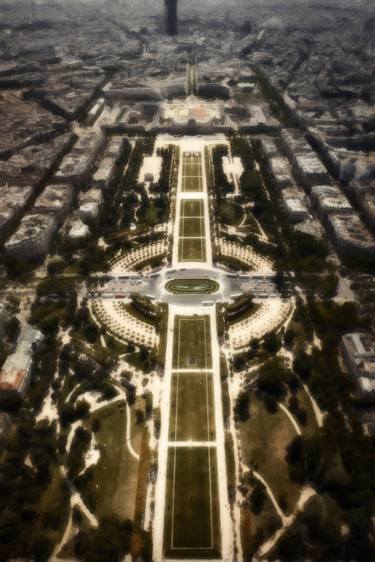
column 192, row 286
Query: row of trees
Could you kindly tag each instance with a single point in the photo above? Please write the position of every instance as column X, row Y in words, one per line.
column 163, row 185
column 221, row 182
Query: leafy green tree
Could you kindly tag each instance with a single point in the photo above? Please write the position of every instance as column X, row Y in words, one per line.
column 303, row 364
column 79, row 446
column 96, row 425
column 291, row 546
column 258, row 498
column 272, row 378
column 272, row 343
column 289, row 338
column 242, row 407
column 12, row 328
column 110, row 542
column 10, row 401
column 308, row 459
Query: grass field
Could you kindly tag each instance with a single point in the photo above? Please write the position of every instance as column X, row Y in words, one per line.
column 192, row 407
column 192, row 343
column 114, row 484
column 192, row 249
column 192, row 173
column 192, row 243
column 192, row 208
column 192, row 286
column 192, row 510
column 192, row 227
column 311, row 426
column 192, row 183
column 264, row 438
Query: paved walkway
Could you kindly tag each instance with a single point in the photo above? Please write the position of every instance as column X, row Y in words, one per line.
column 291, row 418
column 133, row 453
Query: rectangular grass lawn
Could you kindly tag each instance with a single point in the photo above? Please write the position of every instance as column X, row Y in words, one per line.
column 192, row 409
column 192, row 249
column 192, row 343
column 192, row 163
column 193, row 166
column 192, row 183
column 192, row 208
column 192, row 507
column 190, row 226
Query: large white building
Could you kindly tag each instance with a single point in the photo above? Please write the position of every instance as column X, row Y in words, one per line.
column 281, row 171
column 107, row 166
column 358, row 352
column 16, row 371
column 293, row 143
column 56, row 199
column 330, row 199
column 32, row 238
column 268, row 147
column 77, row 165
column 295, row 208
column 89, row 204
column 310, row 170
column 13, row 200
column 351, row 236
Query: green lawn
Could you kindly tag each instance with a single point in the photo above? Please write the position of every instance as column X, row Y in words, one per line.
column 264, row 438
column 192, row 173
column 192, row 343
column 192, row 408
column 192, row 183
column 192, row 244
column 192, row 509
column 192, row 165
column 193, row 169
column 114, row 484
column 192, row 208
column 190, row 226
column 192, row 249
column 192, row 286
column 311, row 426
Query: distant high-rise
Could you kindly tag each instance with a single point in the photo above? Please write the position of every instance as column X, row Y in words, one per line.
column 171, row 16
